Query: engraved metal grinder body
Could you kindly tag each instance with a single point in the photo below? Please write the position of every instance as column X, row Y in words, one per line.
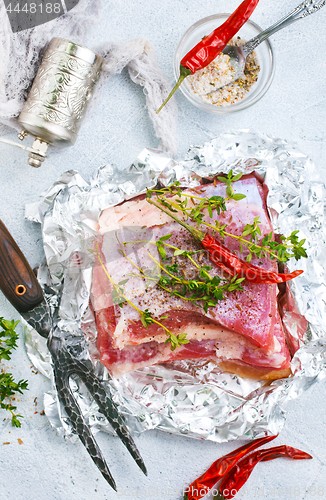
column 58, row 99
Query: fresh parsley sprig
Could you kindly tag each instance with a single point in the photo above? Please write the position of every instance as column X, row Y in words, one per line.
column 8, row 386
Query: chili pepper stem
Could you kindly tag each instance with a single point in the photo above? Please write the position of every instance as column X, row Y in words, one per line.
column 196, row 233
column 184, row 72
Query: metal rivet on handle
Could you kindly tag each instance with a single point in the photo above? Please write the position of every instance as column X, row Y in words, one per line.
column 20, row 290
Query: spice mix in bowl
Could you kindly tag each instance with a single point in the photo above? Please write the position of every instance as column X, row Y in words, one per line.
column 198, row 88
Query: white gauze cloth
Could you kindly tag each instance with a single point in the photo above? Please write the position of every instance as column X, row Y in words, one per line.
column 22, row 52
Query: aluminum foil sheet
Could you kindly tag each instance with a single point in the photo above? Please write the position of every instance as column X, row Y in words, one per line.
column 194, row 398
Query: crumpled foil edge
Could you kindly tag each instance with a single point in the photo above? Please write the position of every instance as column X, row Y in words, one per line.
column 195, row 399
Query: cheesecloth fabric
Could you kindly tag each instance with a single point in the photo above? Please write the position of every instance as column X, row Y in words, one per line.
column 22, row 52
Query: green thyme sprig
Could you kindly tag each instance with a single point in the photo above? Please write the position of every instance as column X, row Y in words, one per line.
column 282, row 250
column 8, row 386
column 193, row 205
column 117, row 293
column 204, row 291
column 145, row 316
column 174, row 340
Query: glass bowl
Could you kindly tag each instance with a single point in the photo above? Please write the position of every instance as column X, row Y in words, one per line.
column 264, row 53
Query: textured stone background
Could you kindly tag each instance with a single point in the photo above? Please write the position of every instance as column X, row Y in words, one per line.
column 45, row 466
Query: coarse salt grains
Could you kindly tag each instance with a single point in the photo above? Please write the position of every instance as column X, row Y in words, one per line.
column 220, row 72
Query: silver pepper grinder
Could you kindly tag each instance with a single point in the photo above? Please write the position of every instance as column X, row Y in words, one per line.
column 58, row 99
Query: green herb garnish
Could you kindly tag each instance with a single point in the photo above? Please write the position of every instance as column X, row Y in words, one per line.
column 146, row 318
column 194, row 207
column 8, row 386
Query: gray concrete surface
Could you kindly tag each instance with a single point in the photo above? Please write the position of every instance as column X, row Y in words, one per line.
column 44, row 466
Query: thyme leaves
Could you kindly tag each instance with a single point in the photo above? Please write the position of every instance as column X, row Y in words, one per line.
column 195, row 208
column 119, row 298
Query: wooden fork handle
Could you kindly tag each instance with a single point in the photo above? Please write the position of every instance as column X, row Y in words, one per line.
column 17, row 280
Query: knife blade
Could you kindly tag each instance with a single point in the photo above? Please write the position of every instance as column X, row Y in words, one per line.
column 21, row 287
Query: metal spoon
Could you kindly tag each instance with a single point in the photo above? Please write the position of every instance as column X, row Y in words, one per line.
column 238, row 55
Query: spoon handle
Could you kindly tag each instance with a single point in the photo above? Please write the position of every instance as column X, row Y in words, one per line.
column 304, row 9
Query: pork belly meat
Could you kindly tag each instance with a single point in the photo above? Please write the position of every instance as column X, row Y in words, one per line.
column 245, row 327
column 227, row 346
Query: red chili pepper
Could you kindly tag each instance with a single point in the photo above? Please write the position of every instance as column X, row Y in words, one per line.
column 227, row 260
column 201, row 486
column 208, row 49
column 230, row 263
column 241, row 471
